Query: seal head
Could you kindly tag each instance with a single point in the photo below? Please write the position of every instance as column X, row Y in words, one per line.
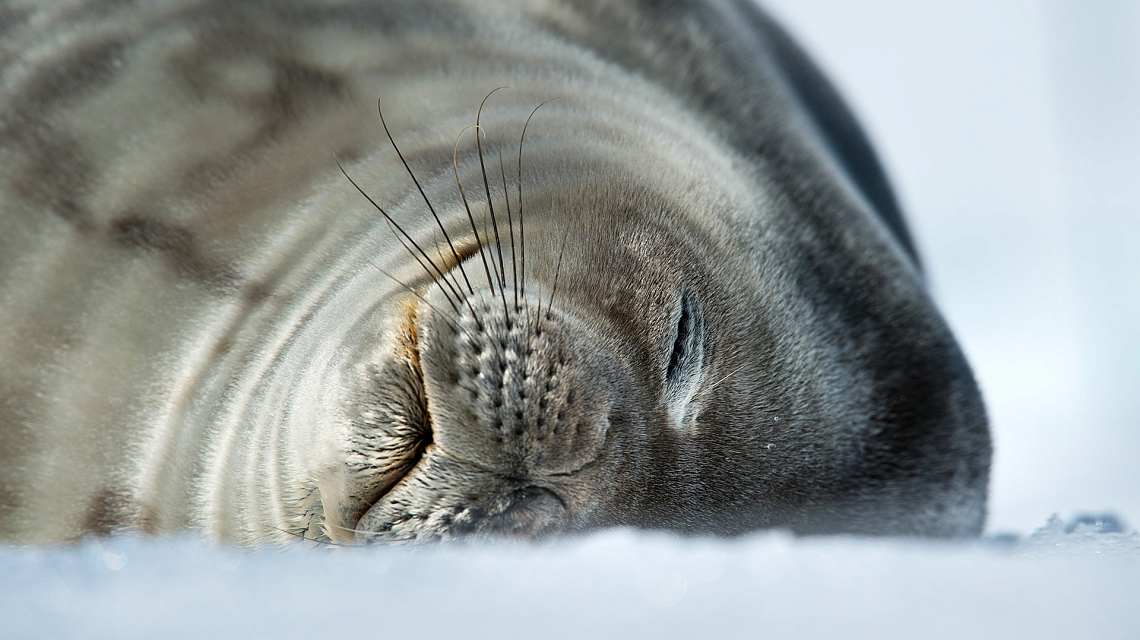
column 657, row 370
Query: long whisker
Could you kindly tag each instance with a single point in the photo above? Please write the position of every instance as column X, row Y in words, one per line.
column 558, row 268
column 372, row 535
column 467, row 206
column 351, row 530
column 308, row 539
column 486, row 234
column 487, row 188
column 435, row 215
column 510, row 223
column 487, row 237
column 452, row 320
column 442, row 260
column 717, row 383
column 522, row 234
column 449, row 300
column 401, row 230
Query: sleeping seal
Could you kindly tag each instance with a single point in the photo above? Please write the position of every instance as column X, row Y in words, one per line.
column 234, row 300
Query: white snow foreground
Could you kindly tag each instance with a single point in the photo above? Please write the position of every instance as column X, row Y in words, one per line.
column 1065, row 581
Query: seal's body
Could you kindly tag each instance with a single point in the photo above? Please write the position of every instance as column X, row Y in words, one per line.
column 684, row 299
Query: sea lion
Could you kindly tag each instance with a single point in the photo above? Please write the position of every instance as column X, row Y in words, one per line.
column 237, row 299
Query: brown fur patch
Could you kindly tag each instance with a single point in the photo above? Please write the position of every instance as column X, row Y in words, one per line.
column 179, row 247
column 109, row 511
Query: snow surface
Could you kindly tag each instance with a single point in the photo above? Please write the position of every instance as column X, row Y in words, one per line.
column 618, row 584
column 1012, row 133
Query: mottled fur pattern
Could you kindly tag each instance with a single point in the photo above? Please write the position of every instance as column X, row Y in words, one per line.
column 204, row 326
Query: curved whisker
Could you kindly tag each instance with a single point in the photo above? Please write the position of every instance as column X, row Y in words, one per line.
column 351, row 530
column 510, row 222
column 401, row 230
column 449, row 300
column 522, row 233
column 452, row 320
column 329, row 543
column 487, row 188
column 442, row 260
column 435, row 215
column 467, row 206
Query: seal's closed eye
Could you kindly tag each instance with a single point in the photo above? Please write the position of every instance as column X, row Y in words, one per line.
column 686, row 362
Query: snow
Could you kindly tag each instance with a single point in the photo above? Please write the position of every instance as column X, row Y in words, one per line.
column 617, row 584
column 1012, row 132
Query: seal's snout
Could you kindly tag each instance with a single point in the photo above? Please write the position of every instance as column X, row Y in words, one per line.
column 507, row 392
column 529, row 513
column 519, row 413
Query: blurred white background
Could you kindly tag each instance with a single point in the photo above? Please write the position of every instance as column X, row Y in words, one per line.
column 1011, row 132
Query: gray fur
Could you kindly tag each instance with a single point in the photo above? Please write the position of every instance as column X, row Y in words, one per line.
column 204, row 326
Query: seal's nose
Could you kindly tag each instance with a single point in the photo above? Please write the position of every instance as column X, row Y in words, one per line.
column 506, row 391
column 531, row 512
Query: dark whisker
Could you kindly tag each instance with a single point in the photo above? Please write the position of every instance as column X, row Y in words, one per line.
column 401, row 230
column 446, row 316
column 487, row 235
column 467, row 206
column 510, row 223
column 442, row 260
column 558, row 267
column 314, row 540
column 486, row 239
column 522, row 234
column 454, row 253
column 494, row 268
column 408, row 249
column 487, row 188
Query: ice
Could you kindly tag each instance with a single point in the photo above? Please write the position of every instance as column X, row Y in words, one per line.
column 1099, row 523
column 1068, row 580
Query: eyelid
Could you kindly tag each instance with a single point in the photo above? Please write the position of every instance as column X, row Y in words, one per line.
column 682, row 335
column 685, row 370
